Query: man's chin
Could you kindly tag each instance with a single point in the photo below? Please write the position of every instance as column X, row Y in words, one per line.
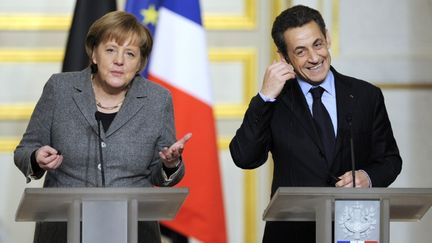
column 315, row 77
column 313, row 81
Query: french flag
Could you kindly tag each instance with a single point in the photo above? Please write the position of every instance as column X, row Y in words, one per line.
column 179, row 61
column 357, row 241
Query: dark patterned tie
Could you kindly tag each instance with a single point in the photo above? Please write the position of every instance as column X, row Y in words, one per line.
column 323, row 122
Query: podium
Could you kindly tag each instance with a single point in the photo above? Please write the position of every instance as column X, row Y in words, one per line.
column 107, row 214
column 317, row 204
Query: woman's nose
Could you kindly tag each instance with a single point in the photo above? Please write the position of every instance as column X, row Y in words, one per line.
column 119, row 59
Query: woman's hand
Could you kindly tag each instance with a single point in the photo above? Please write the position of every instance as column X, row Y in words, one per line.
column 48, row 158
column 170, row 156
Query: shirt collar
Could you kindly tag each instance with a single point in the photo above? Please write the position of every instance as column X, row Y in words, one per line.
column 328, row 84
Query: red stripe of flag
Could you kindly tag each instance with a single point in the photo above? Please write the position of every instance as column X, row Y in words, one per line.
column 202, row 214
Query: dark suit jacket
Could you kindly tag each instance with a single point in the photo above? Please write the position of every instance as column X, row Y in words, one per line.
column 286, row 129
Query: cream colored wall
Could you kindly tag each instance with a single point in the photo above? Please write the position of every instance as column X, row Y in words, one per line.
column 387, row 43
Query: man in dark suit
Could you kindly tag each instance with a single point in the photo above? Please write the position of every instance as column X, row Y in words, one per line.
column 303, row 115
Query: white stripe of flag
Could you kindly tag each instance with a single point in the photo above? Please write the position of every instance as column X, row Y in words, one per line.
column 169, row 62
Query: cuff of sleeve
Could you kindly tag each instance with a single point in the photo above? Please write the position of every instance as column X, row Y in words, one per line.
column 34, row 172
column 370, row 182
column 169, row 174
column 265, row 98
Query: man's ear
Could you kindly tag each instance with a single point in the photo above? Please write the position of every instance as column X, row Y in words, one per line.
column 282, row 58
column 328, row 39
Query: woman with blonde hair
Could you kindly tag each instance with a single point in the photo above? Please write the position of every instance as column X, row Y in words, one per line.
column 65, row 142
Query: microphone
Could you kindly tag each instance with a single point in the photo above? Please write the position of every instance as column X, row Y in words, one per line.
column 98, row 117
column 349, row 120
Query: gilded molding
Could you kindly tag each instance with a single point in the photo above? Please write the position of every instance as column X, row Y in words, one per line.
column 44, row 22
column 32, row 55
column 335, row 30
column 223, row 143
column 250, row 197
column 8, row 144
column 222, row 21
column 250, row 205
column 247, row 57
column 228, row 111
column 405, row 86
column 16, row 112
column 33, row 21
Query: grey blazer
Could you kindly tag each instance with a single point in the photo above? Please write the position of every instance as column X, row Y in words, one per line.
column 64, row 118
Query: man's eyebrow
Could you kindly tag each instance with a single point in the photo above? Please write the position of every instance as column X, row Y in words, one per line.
column 317, row 40
column 299, row 47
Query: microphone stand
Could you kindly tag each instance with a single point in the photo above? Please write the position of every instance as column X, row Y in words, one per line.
column 349, row 120
column 98, row 119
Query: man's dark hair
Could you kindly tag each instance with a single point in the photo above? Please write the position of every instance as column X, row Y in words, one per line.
column 293, row 17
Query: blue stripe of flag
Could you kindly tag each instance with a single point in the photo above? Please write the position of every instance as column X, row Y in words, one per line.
column 189, row 9
column 136, row 6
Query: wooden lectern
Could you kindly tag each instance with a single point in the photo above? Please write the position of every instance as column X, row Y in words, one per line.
column 107, row 214
column 317, row 204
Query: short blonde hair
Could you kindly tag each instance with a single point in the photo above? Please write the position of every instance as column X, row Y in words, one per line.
column 119, row 26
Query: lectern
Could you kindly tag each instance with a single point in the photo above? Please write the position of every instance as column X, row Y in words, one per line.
column 317, row 204
column 107, row 214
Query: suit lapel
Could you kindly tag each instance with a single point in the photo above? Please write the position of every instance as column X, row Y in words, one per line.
column 344, row 102
column 135, row 100
column 294, row 99
column 84, row 98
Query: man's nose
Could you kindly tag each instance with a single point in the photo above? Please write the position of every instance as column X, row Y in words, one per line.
column 313, row 56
